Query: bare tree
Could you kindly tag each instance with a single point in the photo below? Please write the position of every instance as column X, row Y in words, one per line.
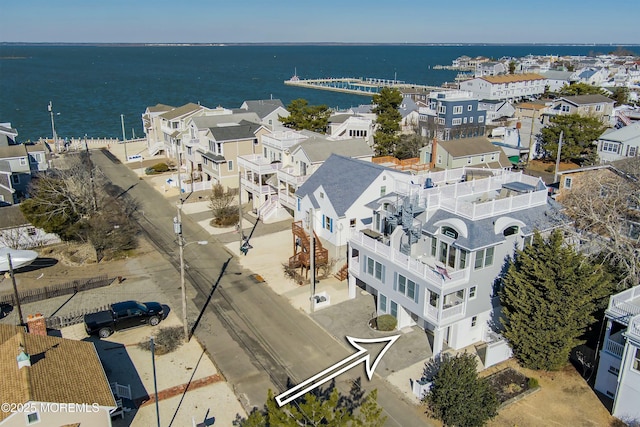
column 605, row 207
column 220, row 202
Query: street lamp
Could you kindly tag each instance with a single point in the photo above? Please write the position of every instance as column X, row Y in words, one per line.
column 177, row 229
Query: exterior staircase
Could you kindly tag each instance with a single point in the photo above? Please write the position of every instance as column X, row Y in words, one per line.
column 302, row 249
column 343, row 273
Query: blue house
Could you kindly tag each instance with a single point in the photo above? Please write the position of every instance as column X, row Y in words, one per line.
column 452, row 115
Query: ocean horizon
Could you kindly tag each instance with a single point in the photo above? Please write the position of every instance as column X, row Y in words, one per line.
column 92, row 85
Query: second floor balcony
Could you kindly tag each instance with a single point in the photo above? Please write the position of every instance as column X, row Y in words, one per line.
column 258, row 164
column 624, row 306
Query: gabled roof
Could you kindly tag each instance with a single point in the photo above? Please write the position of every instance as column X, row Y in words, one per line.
column 465, row 147
column 203, row 122
column 11, row 217
column 318, row 149
column 343, row 180
column 159, row 108
column 62, row 370
column 242, row 130
column 263, row 107
column 557, row 75
column 11, row 151
column 181, row 111
column 587, row 99
column 623, row 134
column 512, row 78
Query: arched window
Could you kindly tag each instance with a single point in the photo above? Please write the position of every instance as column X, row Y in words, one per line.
column 449, row 232
column 509, row 231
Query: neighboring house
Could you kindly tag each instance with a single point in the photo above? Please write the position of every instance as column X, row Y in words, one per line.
column 556, row 80
column 151, row 124
column 341, row 209
column 618, row 144
column 511, row 87
column 410, row 116
column 586, row 105
column 470, row 152
column 269, row 110
column 173, row 124
column 18, row 164
column 344, row 126
column 434, row 250
column 222, row 145
column 491, row 68
column 496, row 110
column 41, row 373
column 195, row 139
column 618, row 375
column 17, row 233
column 8, row 135
column 272, row 184
column 452, row 115
column 591, row 76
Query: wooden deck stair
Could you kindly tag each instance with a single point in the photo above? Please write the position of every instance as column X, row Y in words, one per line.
column 343, row 273
column 302, row 249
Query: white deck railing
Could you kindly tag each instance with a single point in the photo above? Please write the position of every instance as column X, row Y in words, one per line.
column 614, row 348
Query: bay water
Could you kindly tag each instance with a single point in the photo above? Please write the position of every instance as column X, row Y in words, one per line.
column 90, row 87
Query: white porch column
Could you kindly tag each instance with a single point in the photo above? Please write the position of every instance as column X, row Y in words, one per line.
column 352, row 286
column 607, row 331
column 438, row 341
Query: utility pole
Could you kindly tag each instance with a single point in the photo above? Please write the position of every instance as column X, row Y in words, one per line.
column 53, row 128
column 155, row 380
column 124, row 139
column 240, row 232
column 15, row 289
column 91, row 184
column 177, row 229
column 312, row 260
column 555, row 177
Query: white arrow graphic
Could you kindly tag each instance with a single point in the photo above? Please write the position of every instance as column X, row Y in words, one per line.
column 362, row 355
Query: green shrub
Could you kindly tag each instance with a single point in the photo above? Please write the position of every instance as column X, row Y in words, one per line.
column 386, row 322
column 532, row 383
column 160, row 167
column 167, row 340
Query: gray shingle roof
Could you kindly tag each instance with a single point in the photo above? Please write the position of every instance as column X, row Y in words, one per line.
column 481, row 234
column 263, row 107
column 243, row 130
column 181, row 111
column 203, row 122
column 318, row 149
column 587, row 99
column 343, row 179
column 469, row 147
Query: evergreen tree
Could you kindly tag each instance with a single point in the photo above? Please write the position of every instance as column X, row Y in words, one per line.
column 578, row 134
column 320, row 408
column 458, row 397
column 388, row 120
column 549, row 296
column 304, row 116
column 581, row 89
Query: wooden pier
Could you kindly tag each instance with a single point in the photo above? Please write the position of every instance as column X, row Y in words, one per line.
column 358, row 86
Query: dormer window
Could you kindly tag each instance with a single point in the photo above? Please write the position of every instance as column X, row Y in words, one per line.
column 449, row 232
column 510, row 231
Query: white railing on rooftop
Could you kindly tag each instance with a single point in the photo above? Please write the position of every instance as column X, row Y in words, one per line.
column 408, row 263
column 634, row 327
column 282, row 140
column 258, row 163
column 474, row 199
column 621, row 304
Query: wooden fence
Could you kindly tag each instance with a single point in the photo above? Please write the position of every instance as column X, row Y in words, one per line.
column 34, row 295
column 59, row 322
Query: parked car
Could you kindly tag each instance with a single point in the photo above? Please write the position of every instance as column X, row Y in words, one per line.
column 123, row 315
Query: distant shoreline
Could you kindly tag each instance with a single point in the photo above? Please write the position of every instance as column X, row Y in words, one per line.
column 304, row 44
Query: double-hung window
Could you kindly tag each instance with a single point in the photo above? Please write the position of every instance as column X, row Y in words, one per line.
column 406, row 287
column 484, row 258
column 375, row 269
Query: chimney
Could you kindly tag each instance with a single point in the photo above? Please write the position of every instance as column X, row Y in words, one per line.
column 23, row 358
column 434, row 149
column 36, row 324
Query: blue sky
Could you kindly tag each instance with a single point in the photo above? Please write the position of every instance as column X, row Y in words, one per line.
column 373, row 21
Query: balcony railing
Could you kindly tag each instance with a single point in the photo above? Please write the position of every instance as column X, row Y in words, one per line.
column 282, row 140
column 450, row 313
column 257, row 188
column 287, row 200
column 288, row 175
column 258, row 164
column 621, row 307
column 614, row 348
column 412, row 265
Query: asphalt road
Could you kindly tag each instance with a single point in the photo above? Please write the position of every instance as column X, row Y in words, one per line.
column 256, row 338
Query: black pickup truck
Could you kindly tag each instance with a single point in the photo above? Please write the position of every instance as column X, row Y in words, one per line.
column 123, row 315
